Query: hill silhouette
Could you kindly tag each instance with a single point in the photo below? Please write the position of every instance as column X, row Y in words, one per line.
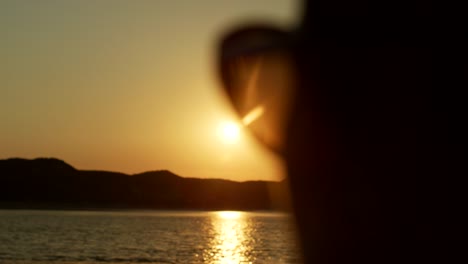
column 51, row 183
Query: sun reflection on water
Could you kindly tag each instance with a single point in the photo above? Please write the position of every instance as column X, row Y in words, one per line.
column 229, row 214
column 231, row 242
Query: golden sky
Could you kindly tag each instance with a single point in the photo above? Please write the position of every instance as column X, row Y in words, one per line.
column 127, row 86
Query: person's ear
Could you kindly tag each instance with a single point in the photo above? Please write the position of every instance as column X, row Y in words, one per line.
column 257, row 72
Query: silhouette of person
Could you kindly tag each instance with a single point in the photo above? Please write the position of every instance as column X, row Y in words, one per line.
column 369, row 136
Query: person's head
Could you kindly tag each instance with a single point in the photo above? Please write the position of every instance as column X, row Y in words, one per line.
column 342, row 98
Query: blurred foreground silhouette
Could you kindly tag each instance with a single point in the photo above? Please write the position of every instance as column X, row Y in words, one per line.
column 373, row 134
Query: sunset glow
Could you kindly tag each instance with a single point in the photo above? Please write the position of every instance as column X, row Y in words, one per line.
column 129, row 87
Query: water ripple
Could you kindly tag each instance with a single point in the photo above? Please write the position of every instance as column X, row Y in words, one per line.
column 78, row 237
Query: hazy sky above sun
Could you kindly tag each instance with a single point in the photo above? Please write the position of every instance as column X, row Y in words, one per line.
column 127, row 86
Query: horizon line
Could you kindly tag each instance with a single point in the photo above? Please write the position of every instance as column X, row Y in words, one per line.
column 134, row 174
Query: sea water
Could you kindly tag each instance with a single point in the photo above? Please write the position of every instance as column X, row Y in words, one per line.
column 35, row 236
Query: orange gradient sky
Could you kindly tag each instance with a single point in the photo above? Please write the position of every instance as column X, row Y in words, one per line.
column 127, row 86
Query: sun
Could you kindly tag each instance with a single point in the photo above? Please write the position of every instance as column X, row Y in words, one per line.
column 229, row 132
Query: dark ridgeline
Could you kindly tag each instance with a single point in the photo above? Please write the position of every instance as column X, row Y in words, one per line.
column 51, row 183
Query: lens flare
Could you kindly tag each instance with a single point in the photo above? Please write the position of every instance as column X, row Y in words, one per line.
column 253, row 115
